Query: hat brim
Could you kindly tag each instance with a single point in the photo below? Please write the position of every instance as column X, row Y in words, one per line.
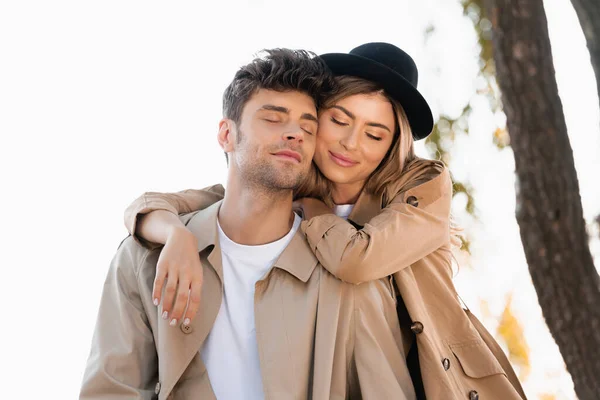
column 417, row 110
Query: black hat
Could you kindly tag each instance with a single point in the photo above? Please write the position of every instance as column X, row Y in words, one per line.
column 395, row 71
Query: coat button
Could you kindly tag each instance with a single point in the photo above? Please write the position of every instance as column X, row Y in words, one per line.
column 157, row 388
column 416, row 327
column 473, row 395
column 187, row 329
column 412, row 200
column 446, row 364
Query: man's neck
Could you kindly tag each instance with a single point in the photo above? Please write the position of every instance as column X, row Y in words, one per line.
column 251, row 216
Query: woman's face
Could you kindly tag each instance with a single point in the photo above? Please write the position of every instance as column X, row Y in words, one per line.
column 353, row 138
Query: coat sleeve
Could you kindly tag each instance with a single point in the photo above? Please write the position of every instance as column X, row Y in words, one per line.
column 123, row 362
column 401, row 234
column 177, row 203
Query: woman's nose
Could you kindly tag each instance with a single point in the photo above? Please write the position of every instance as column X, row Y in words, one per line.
column 350, row 141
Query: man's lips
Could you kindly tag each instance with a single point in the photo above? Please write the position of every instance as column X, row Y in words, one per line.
column 341, row 160
column 289, row 154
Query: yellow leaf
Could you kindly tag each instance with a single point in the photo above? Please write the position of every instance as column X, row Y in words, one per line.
column 501, row 138
column 511, row 331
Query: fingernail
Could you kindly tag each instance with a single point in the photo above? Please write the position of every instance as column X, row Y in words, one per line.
column 165, row 315
column 186, row 321
column 173, row 322
column 155, row 302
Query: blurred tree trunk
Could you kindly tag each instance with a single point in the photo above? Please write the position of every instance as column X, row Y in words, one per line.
column 588, row 12
column 549, row 211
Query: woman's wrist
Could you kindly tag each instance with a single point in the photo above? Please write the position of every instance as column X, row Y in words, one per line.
column 177, row 231
column 159, row 225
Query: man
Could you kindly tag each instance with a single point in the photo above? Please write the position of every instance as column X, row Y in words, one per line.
column 273, row 323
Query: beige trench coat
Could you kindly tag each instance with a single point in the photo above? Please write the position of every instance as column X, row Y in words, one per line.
column 318, row 337
column 407, row 237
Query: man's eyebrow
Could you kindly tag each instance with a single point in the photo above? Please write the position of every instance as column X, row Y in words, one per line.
column 352, row 116
column 309, row 117
column 271, row 107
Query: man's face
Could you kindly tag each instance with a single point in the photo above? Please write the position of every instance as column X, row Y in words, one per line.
column 275, row 139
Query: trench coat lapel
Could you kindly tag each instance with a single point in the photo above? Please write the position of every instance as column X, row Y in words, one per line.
column 177, row 346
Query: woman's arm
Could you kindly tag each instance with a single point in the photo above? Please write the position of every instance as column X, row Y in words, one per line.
column 150, row 230
column 414, row 224
column 152, row 220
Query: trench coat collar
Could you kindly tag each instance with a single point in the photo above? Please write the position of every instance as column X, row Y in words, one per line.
column 204, row 227
column 297, row 258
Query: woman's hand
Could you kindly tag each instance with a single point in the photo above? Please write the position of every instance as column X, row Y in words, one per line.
column 179, row 271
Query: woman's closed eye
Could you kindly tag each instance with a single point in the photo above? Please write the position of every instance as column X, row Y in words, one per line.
column 374, row 137
column 370, row 135
column 335, row 121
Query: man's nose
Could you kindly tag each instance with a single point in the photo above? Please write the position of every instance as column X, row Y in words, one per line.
column 294, row 132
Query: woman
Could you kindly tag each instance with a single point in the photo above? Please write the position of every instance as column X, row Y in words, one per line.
column 372, row 209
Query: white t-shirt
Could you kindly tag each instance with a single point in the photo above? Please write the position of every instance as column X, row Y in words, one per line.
column 343, row 210
column 230, row 351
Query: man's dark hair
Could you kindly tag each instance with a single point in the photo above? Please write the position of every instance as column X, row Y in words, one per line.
column 282, row 70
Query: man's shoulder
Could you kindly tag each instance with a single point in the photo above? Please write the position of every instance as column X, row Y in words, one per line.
column 187, row 217
column 202, row 223
column 132, row 256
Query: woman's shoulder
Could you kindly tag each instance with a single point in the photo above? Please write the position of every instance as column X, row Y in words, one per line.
column 426, row 180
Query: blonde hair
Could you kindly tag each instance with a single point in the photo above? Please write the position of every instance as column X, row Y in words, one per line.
column 399, row 155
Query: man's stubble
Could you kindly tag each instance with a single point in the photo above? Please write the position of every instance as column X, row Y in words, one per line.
column 260, row 172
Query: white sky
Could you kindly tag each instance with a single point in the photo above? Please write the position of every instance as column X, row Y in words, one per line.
column 101, row 101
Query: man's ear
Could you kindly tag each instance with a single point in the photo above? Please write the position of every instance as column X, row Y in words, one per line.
column 227, row 134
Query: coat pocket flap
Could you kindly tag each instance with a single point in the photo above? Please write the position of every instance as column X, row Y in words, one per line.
column 476, row 359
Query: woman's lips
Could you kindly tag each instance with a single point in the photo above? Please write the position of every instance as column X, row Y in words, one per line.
column 341, row 160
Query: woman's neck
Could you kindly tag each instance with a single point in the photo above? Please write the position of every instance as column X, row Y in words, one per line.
column 346, row 193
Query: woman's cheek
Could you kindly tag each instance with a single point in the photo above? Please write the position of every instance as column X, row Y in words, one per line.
column 320, row 149
column 320, row 146
column 374, row 156
column 329, row 132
